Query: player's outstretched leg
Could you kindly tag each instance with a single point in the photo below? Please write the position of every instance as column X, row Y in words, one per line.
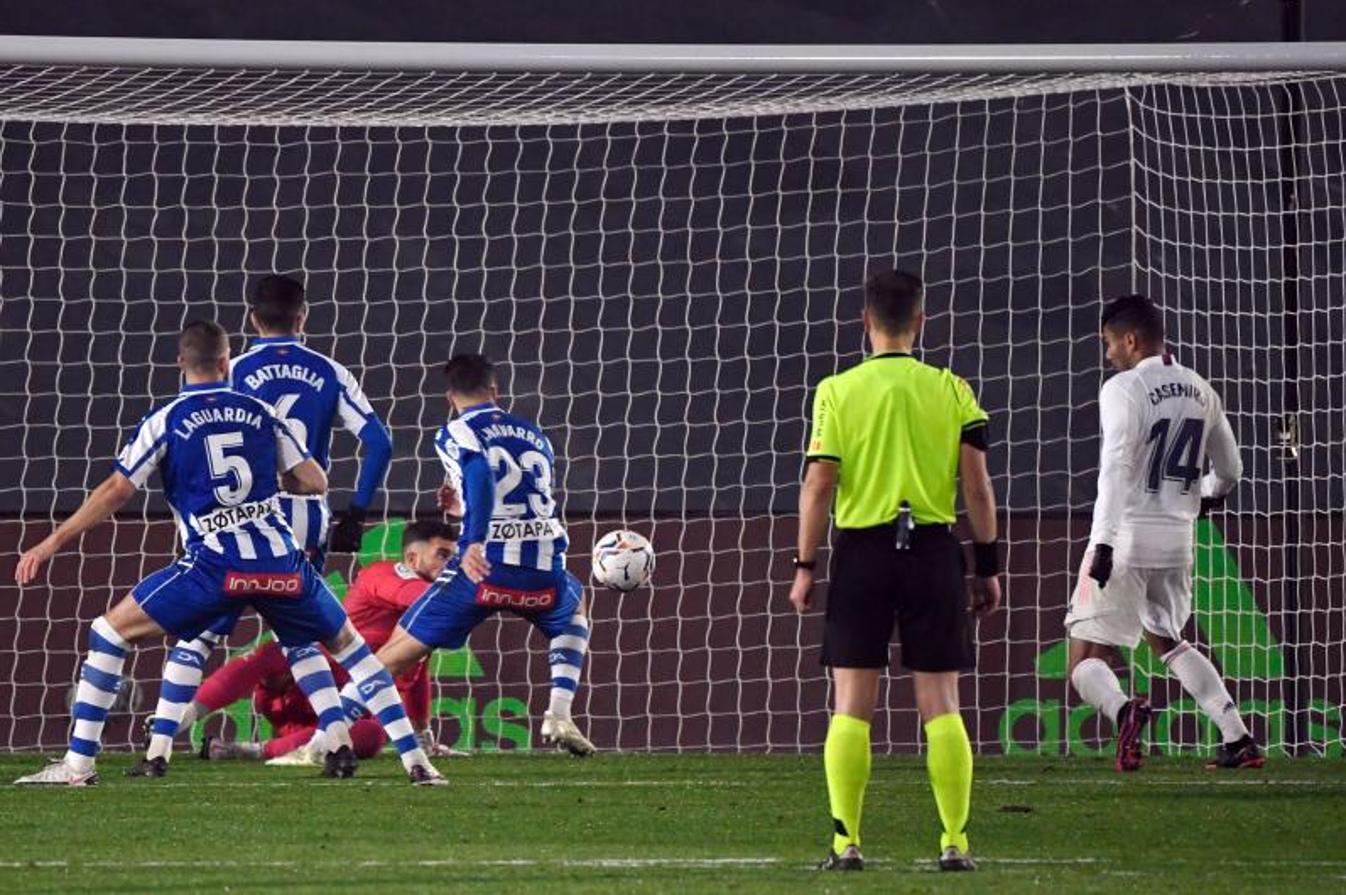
column 372, row 687
column 308, row 667
column 99, row 678
column 1202, row 682
column 566, row 654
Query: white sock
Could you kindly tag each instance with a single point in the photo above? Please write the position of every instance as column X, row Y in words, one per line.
column 565, row 653
column 1099, row 687
column 1202, row 682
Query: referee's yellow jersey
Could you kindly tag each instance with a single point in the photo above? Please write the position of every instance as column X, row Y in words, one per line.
column 894, row 426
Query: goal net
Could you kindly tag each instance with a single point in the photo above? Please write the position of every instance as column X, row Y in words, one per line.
column 666, row 265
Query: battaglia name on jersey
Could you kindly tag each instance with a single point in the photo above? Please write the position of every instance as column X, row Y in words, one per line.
column 523, row 530
column 271, row 372
column 498, row 597
column 1177, row 390
column 227, row 518
column 198, row 418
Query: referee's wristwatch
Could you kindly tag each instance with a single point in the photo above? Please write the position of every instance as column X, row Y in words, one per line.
column 807, row 564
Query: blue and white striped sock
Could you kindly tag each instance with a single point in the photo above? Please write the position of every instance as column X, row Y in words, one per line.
column 311, row 672
column 374, row 688
column 99, row 677
column 183, row 669
column 351, row 702
column 565, row 654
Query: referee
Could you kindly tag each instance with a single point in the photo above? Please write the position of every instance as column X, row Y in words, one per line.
column 891, row 438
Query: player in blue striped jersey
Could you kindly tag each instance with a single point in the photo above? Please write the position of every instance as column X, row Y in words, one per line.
column 312, row 393
column 511, row 551
column 223, row 457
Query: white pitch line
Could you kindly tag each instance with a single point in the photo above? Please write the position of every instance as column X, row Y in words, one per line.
column 614, row 863
column 732, row 784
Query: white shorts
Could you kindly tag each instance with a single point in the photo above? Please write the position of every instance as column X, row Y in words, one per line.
column 1154, row 600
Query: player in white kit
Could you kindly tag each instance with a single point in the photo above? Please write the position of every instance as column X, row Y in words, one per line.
column 1161, row 423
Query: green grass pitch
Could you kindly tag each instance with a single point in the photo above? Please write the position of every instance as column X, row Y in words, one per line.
column 704, row 823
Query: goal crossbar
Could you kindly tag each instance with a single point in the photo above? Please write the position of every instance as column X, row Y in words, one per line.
column 784, row 58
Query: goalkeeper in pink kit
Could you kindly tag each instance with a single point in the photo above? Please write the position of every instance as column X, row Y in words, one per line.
column 376, row 600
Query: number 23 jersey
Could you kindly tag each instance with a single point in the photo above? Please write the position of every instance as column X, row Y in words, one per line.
column 1161, row 423
column 521, row 526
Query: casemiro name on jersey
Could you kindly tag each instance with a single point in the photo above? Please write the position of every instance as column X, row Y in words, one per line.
column 1161, row 393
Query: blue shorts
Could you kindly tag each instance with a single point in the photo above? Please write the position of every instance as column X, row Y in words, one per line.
column 225, row 624
column 205, row 590
column 446, row 613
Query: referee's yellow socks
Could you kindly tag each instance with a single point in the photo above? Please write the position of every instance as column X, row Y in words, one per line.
column 846, row 758
column 949, row 761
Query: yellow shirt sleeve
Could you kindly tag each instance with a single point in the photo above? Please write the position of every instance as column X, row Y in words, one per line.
column 825, row 441
column 969, row 411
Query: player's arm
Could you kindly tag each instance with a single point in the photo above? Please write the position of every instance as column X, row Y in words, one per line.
column 358, row 418
column 978, row 496
column 1226, row 466
column 299, row 472
column 1116, row 471
column 979, row 499
column 134, row 465
column 823, row 457
column 478, row 491
column 101, row 503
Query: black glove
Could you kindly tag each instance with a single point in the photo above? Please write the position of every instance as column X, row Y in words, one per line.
column 346, row 534
column 1101, row 568
column 1208, row 504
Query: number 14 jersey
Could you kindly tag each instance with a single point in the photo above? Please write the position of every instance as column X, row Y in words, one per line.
column 1161, row 423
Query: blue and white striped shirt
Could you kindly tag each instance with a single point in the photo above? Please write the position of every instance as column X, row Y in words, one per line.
column 220, row 454
column 313, row 393
column 504, row 467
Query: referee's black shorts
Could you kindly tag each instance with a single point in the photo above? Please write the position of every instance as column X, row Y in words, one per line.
column 922, row 588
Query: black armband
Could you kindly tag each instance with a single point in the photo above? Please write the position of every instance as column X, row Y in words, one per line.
column 806, row 564
column 975, row 435
column 986, row 559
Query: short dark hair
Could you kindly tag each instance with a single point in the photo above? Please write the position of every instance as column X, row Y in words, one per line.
column 422, row 530
column 278, row 301
column 1135, row 314
column 894, row 298
column 202, row 343
column 469, row 374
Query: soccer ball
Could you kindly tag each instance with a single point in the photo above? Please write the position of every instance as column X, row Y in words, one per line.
column 623, row 560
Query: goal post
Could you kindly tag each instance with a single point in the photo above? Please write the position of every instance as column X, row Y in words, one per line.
column 663, row 248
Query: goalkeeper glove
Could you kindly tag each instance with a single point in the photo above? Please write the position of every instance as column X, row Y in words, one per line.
column 347, row 533
column 1101, row 568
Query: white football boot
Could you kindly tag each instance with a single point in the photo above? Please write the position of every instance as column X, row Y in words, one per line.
column 564, row 733
column 58, row 773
